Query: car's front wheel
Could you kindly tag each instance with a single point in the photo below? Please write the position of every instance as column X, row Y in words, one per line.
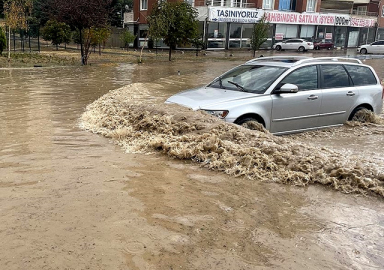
column 251, row 123
column 278, row 48
column 301, row 49
column 363, row 51
column 317, row 48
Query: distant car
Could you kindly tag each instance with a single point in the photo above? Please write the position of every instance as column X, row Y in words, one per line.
column 375, row 47
column 323, row 44
column 297, row 44
column 288, row 94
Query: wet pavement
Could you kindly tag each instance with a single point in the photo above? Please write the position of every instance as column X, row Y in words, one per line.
column 73, row 200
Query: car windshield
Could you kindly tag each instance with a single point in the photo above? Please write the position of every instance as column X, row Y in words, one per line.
column 249, row 78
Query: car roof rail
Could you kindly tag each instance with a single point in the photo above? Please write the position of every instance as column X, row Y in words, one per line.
column 338, row 59
column 278, row 58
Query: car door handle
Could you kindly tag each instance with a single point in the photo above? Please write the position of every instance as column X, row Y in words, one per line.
column 312, row 97
column 351, row 93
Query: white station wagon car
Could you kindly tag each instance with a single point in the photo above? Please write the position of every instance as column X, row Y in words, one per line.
column 297, row 44
column 289, row 94
column 375, row 47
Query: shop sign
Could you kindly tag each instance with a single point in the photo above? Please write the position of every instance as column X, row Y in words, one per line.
column 317, row 19
column 240, row 15
column 300, row 18
column 360, row 22
column 328, row 36
column 279, row 36
column 342, row 20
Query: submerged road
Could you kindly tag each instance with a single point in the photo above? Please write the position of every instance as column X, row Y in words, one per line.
column 73, row 200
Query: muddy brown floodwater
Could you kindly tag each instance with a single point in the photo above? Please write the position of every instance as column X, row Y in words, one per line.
column 71, row 199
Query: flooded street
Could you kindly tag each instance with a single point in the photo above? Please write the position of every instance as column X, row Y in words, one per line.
column 71, row 199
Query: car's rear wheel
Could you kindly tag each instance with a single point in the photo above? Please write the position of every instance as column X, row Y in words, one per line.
column 363, row 51
column 357, row 114
column 317, row 48
column 278, row 48
column 301, row 49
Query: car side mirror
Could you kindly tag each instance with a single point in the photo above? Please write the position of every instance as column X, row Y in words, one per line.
column 288, row 88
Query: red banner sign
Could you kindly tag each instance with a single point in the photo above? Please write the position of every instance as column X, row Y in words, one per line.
column 317, row 19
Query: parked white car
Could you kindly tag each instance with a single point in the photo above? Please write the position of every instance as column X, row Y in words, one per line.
column 297, row 44
column 288, row 94
column 375, row 47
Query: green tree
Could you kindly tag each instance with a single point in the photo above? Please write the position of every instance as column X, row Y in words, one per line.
column 127, row 37
column 16, row 14
column 56, row 32
column 99, row 36
column 2, row 9
column 259, row 34
column 41, row 11
column 197, row 43
column 176, row 22
column 3, row 41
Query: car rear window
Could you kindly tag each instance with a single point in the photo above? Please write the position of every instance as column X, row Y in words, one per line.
column 334, row 76
column 361, row 75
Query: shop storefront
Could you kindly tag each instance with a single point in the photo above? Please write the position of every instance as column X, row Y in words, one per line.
column 353, row 37
column 340, row 38
column 380, row 34
column 342, row 29
column 230, row 28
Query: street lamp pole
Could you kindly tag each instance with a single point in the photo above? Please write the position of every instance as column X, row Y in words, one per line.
column 207, row 3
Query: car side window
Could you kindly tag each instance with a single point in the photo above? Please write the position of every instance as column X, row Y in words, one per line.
column 305, row 78
column 361, row 75
column 334, row 76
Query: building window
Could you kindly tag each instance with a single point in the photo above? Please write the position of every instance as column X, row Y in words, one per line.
column 287, row 30
column 361, row 10
column 287, row 5
column 143, row 4
column 216, row 35
column 191, row 2
column 311, row 6
column 267, row 4
column 307, row 31
column 239, row 3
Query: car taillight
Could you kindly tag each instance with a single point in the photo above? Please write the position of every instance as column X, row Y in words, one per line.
column 309, row 43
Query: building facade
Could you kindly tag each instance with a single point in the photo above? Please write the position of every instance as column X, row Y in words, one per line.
column 227, row 24
column 380, row 19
